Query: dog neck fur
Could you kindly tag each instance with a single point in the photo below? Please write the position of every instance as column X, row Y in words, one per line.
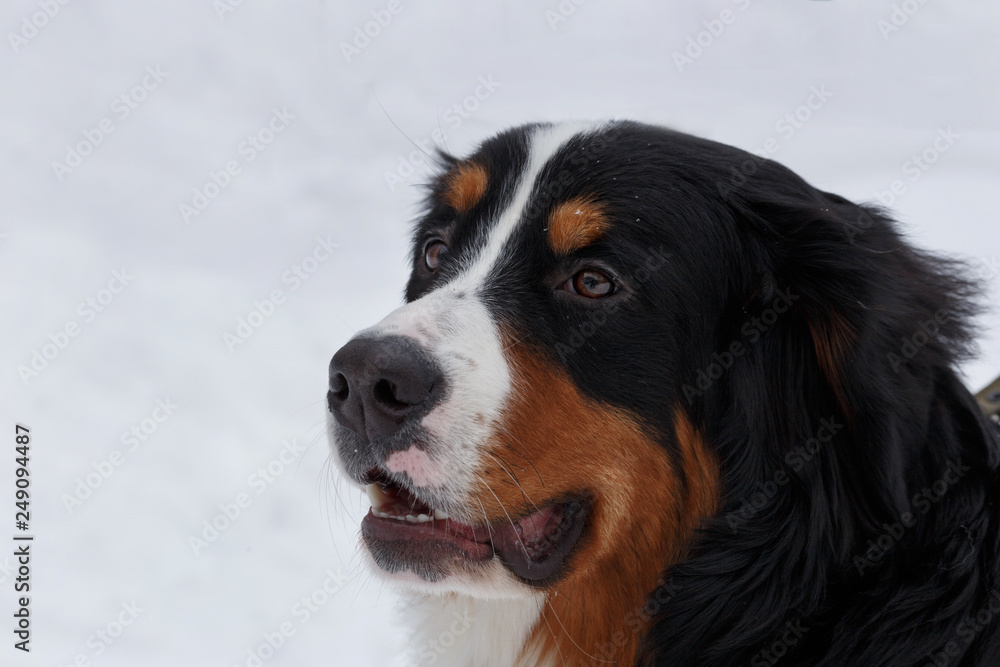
column 457, row 630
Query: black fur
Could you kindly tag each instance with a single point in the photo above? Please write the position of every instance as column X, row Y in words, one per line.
column 839, row 409
column 802, row 556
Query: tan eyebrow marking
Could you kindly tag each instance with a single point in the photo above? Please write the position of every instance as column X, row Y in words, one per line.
column 576, row 223
column 465, row 186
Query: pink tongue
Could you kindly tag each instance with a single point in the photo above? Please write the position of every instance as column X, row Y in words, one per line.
column 397, row 508
column 536, row 526
column 401, row 503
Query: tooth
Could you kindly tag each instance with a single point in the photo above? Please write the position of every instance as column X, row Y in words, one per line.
column 439, row 515
column 376, row 496
column 411, row 518
column 422, row 518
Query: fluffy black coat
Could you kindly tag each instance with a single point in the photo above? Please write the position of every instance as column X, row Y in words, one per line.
column 815, row 350
column 860, row 524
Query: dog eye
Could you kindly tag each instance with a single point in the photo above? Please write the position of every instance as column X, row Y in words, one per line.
column 591, row 284
column 433, row 252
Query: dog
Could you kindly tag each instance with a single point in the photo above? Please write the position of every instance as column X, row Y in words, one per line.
column 654, row 400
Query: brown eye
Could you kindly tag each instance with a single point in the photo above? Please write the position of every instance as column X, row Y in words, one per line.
column 591, row 284
column 433, row 252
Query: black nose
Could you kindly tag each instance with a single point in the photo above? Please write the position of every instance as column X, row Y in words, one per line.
column 377, row 384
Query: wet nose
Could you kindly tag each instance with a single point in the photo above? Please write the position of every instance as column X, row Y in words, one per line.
column 378, row 384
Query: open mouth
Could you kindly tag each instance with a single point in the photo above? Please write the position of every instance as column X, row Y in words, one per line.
column 406, row 533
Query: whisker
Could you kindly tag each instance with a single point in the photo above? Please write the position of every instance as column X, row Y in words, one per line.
column 398, row 128
column 489, row 529
column 305, row 407
column 516, row 482
column 517, row 341
column 554, row 639
column 592, row 657
column 490, row 489
column 506, row 444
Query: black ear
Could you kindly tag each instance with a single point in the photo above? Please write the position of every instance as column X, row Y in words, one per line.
column 444, row 160
column 871, row 339
column 876, row 307
column 876, row 328
column 826, row 426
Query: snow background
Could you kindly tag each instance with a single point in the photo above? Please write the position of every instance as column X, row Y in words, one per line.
column 325, row 176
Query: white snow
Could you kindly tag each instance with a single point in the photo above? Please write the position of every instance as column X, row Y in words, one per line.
column 324, row 177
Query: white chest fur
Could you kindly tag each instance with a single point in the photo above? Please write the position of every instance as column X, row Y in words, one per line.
column 461, row 631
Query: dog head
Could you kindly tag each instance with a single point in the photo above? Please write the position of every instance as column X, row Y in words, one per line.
column 611, row 334
column 519, row 407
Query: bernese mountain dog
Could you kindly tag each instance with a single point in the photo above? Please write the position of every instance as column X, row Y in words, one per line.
column 654, row 400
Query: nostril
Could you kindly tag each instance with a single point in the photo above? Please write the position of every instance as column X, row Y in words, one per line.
column 386, row 393
column 378, row 383
column 339, row 387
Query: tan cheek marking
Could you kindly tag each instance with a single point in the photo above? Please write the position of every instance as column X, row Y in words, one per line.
column 575, row 224
column 465, row 186
column 555, row 441
column 701, row 470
